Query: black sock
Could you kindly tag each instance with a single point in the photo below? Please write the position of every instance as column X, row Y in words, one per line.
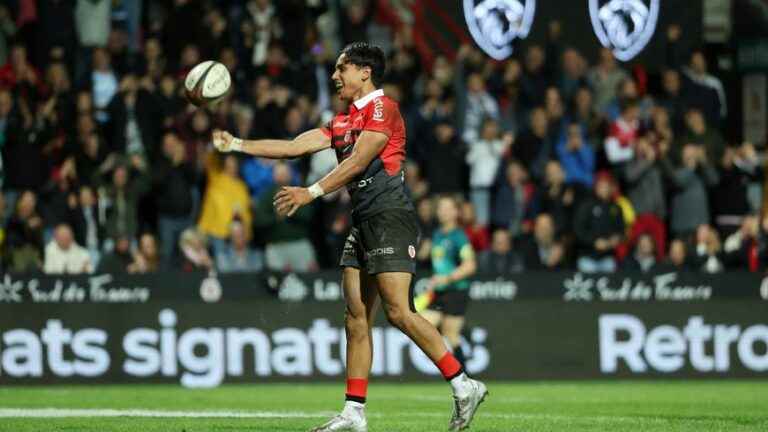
column 358, row 399
column 459, row 354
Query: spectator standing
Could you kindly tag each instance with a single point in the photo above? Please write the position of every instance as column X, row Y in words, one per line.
column 24, row 236
column 533, row 147
column 513, row 198
column 226, row 199
column 174, row 179
column 739, row 171
column 556, row 198
column 104, row 83
column 7, row 30
column 605, row 78
column 645, row 189
column 120, row 195
column 484, row 157
column 576, row 155
column 288, row 247
column 445, row 166
column 699, row 133
column 623, row 134
column 690, row 203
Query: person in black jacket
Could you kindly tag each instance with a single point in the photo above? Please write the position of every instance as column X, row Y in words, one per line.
column 543, row 251
column 643, row 260
column 599, row 228
column 678, row 259
column 135, row 120
column 501, row 258
column 174, row 180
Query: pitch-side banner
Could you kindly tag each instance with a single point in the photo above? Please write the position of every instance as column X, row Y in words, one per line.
column 202, row 331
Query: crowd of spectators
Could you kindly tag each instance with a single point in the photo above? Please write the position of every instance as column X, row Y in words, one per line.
column 560, row 164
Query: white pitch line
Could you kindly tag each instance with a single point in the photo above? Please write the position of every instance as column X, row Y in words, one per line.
column 65, row 412
column 69, row 413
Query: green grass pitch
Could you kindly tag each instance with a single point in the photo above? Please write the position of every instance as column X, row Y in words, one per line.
column 540, row 406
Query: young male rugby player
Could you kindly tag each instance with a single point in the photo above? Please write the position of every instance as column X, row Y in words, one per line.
column 378, row 257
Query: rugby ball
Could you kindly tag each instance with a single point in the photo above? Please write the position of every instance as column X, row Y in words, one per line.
column 207, row 82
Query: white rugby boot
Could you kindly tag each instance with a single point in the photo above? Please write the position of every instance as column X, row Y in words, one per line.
column 464, row 408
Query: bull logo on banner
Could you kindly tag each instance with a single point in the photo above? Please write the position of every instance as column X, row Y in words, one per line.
column 624, row 26
column 495, row 24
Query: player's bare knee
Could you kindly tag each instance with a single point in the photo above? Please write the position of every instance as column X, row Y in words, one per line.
column 356, row 326
column 397, row 315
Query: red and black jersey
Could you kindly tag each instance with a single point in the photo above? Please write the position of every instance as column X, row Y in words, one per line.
column 382, row 185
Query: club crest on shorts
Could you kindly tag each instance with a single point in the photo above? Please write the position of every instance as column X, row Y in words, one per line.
column 495, row 24
column 624, row 26
column 411, row 251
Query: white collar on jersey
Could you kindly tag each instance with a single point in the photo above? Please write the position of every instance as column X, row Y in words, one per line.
column 363, row 101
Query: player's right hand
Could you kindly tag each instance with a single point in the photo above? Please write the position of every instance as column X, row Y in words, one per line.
column 222, row 140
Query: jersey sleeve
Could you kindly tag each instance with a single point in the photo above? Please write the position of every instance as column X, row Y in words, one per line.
column 464, row 246
column 383, row 117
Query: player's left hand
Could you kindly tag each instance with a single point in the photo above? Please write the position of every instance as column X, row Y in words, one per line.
column 289, row 199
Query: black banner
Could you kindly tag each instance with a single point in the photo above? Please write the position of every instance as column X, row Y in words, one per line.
column 201, row 331
column 326, row 286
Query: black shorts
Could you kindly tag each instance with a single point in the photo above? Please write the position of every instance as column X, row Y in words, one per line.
column 385, row 242
column 450, row 302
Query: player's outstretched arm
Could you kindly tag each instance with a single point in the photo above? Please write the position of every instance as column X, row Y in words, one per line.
column 309, row 142
column 367, row 147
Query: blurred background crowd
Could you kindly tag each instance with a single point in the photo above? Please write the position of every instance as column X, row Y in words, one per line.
column 559, row 163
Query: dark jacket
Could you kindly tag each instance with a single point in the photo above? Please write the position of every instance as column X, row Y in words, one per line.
column 596, row 219
column 148, row 115
column 491, row 262
column 174, row 187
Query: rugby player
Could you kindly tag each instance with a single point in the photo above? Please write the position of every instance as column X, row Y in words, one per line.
column 378, row 260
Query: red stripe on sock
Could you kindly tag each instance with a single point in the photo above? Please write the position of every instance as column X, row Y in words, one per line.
column 448, row 365
column 357, row 387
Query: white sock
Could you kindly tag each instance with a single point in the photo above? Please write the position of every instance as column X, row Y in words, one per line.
column 353, row 409
column 461, row 385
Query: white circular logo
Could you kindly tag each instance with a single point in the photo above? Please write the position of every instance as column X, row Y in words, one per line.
column 764, row 289
column 210, row 290
column 495, row 24
column 412, row 251
column 624, row 26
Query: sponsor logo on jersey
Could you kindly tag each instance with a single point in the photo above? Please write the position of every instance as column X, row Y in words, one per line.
column 380, row 251
column 378, row 109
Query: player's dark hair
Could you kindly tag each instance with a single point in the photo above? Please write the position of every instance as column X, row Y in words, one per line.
column 363, row 54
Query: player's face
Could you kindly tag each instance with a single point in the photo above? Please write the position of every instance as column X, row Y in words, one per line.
column 348, row 79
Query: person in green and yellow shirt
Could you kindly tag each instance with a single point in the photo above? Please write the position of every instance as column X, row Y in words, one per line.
column 453, row 261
